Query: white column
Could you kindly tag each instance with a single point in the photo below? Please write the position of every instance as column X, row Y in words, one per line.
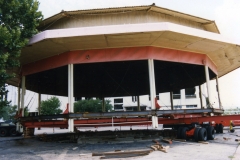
column 23, row 94
column 18, row 108
column 152, row 90
column 218, row 90
column 208, row 85
column 19, row 127
column 19, row 97
column 70, row 96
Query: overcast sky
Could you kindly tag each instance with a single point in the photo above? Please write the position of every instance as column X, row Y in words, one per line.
column 224, row 12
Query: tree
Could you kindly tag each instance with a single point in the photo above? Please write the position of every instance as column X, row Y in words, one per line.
column 91, row 105
column 18, row 22
column 50, row 106
column 8, row 112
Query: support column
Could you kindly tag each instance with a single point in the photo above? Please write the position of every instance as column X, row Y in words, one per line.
column 23, row 94
column 219, row 98
column 39, row 103
column 39, row 106
column 208, row 86
column 171, row 99
column 152, row 91
column 103, row 105
column 19, row 127
column 18, row 108
column 138, row 103
column 19, row 99
column 200, row 96
column 70, row 96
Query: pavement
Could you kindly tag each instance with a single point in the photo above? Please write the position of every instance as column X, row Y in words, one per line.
column 223, row 148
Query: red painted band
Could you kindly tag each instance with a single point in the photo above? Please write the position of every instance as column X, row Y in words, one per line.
column 118, row 54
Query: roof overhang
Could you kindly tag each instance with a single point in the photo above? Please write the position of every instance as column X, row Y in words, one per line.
column 223, row 52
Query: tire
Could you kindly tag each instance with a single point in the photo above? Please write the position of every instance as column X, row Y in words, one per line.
column 13, row 132
column 3, row 132
column 210, row 133
column 202, row 134
column 220, row 126
column 183, row 133
column 179, row 133
column 196, row 134
column 232, row 130
column 217, row 128
column 19, row 134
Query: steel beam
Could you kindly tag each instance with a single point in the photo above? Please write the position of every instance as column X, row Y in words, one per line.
column 225, row 120
column 123, row 114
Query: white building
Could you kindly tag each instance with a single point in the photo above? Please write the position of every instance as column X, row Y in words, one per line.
column 182, row 99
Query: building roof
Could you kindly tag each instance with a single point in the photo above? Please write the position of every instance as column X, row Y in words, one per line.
column 208, row 24
column 224, row 53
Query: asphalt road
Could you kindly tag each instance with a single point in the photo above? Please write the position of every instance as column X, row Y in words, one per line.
column 19, row 148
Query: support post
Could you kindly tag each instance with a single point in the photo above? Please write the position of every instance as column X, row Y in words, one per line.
column 18, row 108
column 103, row 105
column 70, row 96
column 171, row 99
column 152, row 90
column 138, row 103
column 19, row 99
column 200, row 96
column 208, row 86
column 39, row 106
column 19, row 127
column 39, row 103
column 23, row 94
column 218, row 90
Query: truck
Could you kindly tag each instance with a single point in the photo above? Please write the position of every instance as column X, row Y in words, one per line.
column 8, row 129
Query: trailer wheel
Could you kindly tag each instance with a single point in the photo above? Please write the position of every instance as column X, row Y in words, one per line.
column 183, row 133
column 217, row 128
column 196, row 134
column 179, row 133
column 3, row 132
column 13, row 132
column 220, row 127
column 202, row 134
column 210, row 133
column 19, row 134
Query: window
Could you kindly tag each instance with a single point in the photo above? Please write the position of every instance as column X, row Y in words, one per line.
column 119, row 100
column 191, row 106
column 176, row 94
column 190, row 93
column 118, row 106
column 177, row 107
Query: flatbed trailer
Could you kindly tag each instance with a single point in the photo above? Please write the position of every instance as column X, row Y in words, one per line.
column 197, row 124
